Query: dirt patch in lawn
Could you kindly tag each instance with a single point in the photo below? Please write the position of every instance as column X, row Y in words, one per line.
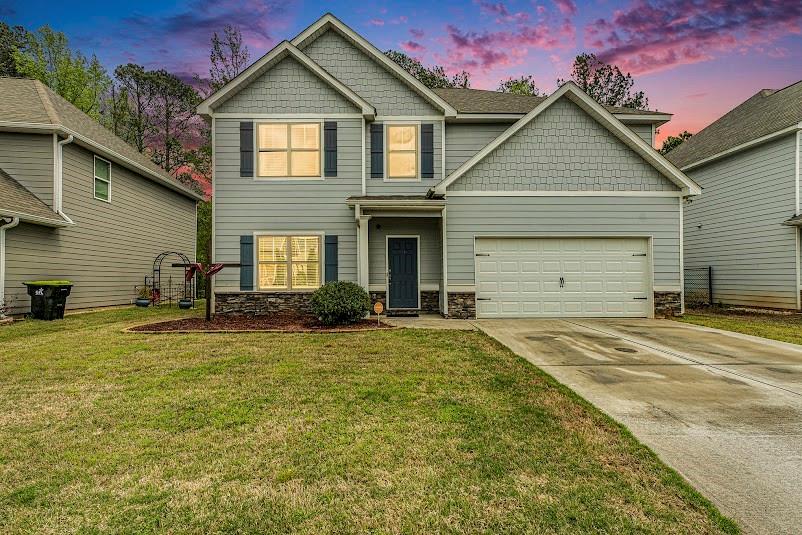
column 297, row 323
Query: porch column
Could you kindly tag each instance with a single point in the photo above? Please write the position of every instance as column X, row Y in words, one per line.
column 363, row 224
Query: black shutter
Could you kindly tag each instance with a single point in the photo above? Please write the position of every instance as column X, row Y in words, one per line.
column 427, row 151
column 331, row 258
column 246, row 263
column 376, row 150
column 330, row 149
column 246, row 149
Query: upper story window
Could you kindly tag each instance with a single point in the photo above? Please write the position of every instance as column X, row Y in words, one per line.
column 402, row 151
column 102, row 179
column 289, row 262
column 288, row 150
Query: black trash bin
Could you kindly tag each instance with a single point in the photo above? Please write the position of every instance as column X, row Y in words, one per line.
column 48, row 298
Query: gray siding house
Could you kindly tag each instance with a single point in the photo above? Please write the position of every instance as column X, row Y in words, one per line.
column 333, row 163
column 747, row 223
column 78, row 203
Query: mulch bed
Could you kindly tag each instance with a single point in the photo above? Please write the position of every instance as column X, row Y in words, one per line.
column 274, row 323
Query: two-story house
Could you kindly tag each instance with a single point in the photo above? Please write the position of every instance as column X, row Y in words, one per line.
column 333, row 163
column 78, row 203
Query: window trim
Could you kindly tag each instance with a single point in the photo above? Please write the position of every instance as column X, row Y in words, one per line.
column 417, row 177
column 321, row 150
column 321, row 235
column 95, row 178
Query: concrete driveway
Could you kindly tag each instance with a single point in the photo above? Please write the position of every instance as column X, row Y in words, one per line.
column 723, row 409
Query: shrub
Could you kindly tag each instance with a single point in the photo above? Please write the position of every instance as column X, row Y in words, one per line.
column 340, row 303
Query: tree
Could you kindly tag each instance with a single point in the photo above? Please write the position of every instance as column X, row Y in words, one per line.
column 432, row 77
column 48, row 58
column 606, row 83
column 135, row 86
column 525, row 85
column 228, row 57
column 672, row 142
column 12, row 39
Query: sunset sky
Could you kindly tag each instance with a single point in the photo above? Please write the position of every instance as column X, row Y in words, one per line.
column 696, row 59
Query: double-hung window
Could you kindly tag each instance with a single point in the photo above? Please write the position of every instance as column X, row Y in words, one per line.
column 289, row 262
column 102, row 179
column 402, row 151
column 288, row 150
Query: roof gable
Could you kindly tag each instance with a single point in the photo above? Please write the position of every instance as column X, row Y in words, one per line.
column 603, row 118
column 17, row 201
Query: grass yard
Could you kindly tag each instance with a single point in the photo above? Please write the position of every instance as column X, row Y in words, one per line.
column 783, row 327
column 384, row 432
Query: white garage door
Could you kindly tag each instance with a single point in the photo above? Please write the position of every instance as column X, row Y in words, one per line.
column 569, row 277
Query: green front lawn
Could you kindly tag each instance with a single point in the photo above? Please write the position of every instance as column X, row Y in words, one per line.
column 783, row 327
column 386, row 432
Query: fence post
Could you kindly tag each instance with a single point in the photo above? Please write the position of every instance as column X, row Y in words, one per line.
column 710, row 284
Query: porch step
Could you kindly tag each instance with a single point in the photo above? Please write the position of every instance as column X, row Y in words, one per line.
column 402, row 314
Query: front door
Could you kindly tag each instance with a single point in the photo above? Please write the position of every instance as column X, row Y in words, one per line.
column 402, row 272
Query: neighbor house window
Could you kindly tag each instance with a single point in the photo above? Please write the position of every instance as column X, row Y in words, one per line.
column 289, row 150
column 102, row 179
column 288, row 262
column 402, row 151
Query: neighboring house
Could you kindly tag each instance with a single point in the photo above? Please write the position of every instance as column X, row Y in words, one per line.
column 78, row 203
column 333, row 163
column 746, row 225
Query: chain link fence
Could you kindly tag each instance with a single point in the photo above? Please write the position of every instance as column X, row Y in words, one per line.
column 699, row 286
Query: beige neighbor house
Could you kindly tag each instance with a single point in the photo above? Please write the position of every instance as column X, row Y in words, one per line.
column 333, row 163
column 78, row 203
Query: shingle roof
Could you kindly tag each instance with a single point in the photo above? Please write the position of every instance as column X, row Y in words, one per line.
column 483, row 101
column 17, row 200
column 30, row 101
column 764, row 113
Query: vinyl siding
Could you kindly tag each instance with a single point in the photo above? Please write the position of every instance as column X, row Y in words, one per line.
column 28, row 158
column 431, row 256
column 111, row 247
column 745, row 198
column 465, row 140
column 246, row 205
column 644, row 131
column 468, row 217
column 563, row 149
column 364, row 75
column 380, row 186
column 288, row 87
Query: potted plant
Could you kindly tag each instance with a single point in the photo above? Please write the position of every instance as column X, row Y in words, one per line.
column 48, row 298
column 185, row 303
column 143, row 297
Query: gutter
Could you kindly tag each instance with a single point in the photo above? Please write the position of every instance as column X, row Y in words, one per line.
column 3, row 228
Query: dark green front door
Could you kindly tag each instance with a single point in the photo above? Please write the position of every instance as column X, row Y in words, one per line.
column 402, row 261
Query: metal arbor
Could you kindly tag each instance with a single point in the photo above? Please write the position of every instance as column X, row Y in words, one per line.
column 155, row 280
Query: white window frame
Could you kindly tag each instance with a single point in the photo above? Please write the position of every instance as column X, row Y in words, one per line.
column 417, row 177
column 289, row 235
column 256, row 150
column 95, row 178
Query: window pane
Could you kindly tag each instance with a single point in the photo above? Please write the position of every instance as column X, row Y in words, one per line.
column 272, row 136
column 273, row 164
column 305, row 163
column 305, row 136
column 306, row 248
column 101, row 189
column 102, row 169
column 272, row 248
column 272, row 276
column 402, row 137
column 402, row 165
column 306, row 275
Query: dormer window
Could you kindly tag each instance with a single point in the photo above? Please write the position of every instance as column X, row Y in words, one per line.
column 288, row 150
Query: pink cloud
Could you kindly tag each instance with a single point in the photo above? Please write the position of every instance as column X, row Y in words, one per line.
column 413, row 47
column 416, row 33
column 502, row 13
column 376, row 22
column 645, row 38
column 566, row 7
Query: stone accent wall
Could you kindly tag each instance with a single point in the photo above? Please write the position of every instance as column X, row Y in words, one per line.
column 667, row 304
column 261, row 303
column 461, row 305
column 429, row 300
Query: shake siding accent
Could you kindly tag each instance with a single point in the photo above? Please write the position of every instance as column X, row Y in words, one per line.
column 465, row 140
column 111, row 247
column 431, row 259
column 289, row 87
column 28, row 158
column 562, row 216
column 366, row 77
column 563, row 149
column 745, row 198
column 644, row 131
column 246, row 205
column 380, row 186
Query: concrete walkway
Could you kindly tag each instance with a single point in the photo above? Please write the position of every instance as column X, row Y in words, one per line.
column 430, row 321
column 723, row 409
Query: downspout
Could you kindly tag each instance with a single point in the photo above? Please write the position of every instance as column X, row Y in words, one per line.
column 3, row 228
column 57, row 194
